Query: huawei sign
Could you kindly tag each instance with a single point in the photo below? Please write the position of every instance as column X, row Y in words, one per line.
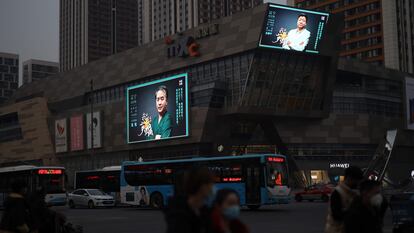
column 60, row 129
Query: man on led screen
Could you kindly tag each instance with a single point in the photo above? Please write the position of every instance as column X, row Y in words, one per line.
column 298, row 38
column 162, row 123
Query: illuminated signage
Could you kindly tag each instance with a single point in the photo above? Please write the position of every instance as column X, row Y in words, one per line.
column 293, row 29
column 232, row 179
column 92, row 178
column 158, row 110
column 276, row 159
column 338, row 165
column 49, row 172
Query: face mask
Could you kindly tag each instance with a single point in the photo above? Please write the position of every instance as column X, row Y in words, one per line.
column 376, row 200
column 232, row 212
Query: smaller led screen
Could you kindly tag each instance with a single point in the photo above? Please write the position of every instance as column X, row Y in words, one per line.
column 158, row 110
column 293, row 29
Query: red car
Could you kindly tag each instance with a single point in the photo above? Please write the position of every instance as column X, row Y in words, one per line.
column 315, row 192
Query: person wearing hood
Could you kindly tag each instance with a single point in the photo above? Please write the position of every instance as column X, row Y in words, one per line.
column 189, row 213
column 341, row 199
column 16, row 217
column 366, row 212
column 226, row 213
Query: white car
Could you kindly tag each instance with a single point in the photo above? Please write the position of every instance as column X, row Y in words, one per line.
column 91, row 198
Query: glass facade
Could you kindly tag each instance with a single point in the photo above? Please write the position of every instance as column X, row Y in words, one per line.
column 280, row 82
column 9, row 68
column 208, row 81
column 286, row 82
column 356, row 93
column 10, row 128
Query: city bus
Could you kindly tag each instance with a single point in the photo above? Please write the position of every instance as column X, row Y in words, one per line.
column 260, row 179
column 106, row 179
column 50, row 179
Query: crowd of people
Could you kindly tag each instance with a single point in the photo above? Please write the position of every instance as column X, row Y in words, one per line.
column 356, row 206
column 200, row 210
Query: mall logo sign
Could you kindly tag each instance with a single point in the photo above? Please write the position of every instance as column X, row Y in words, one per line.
column 186, row 46
column 183, row 47
column 339, row 165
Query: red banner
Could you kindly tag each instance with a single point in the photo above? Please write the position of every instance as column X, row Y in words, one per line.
column 76, row 133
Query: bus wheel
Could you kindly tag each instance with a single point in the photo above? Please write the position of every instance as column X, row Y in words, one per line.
column 91, row 205
column 325, row 198
column 156, row 201
column 253, row 207
column 71, row 204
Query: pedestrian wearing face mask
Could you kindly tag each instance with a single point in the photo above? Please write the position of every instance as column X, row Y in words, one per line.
column 366, row 212
column 341, row 199
column 189, row 213
column 226, row 213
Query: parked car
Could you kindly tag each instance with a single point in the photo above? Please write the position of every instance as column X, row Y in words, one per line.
column 315, row 192
column 90, row 198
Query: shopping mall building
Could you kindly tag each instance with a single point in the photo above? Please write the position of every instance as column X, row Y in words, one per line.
column 325, row 113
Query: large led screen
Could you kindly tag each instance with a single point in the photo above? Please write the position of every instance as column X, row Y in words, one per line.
column 158, row 110
column 293, row 29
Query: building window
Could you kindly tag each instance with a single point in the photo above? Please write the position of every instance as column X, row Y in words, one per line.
column 10, row 128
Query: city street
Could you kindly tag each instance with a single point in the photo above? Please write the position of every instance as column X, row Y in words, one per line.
column 296, row 217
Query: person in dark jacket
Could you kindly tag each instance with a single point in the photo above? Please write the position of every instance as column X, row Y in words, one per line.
column 16, row 216
column 189, row 213
column 226, row 213
column 43, row 219
column 366, row 212
column 341, row 199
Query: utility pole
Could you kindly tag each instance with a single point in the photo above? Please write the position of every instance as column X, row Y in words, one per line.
column 91, row 126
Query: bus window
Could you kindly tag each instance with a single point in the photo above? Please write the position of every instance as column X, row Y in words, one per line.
column 52, row 183
column 110, row 182
column 88, row 180
column 276, row 172
column 137, row 175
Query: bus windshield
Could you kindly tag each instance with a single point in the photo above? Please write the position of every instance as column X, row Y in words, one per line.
column 52, row 183
column 276, row 172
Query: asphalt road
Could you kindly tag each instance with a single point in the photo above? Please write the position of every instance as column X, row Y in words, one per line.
column 295, row 217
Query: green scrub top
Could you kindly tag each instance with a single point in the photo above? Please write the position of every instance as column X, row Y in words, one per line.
column 163, row 127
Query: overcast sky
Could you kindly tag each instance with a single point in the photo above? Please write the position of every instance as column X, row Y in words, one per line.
column 30, row 28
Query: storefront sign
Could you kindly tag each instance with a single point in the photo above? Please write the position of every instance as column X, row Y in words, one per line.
column 76, row 133
column 338, row 165
column 96, row 128
column 183, row 47
column 61, row 141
